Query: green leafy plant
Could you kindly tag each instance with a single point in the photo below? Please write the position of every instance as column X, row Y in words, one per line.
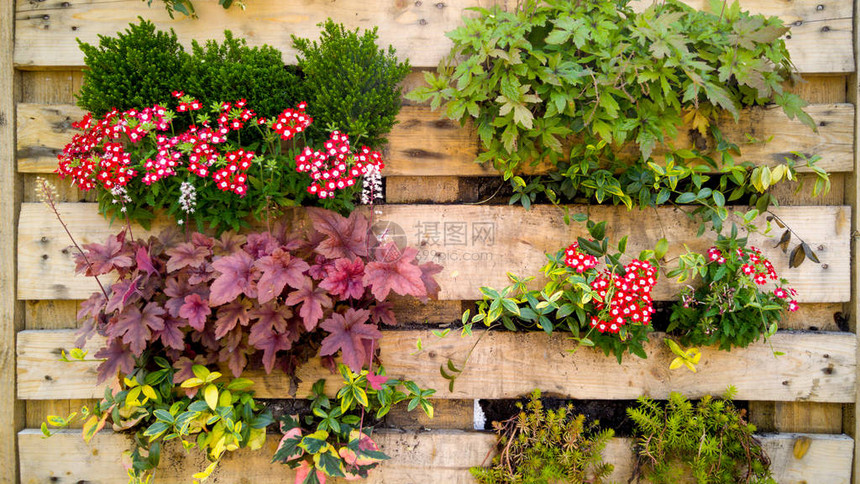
column 591, row 304
column 350, row 83
column 540, row 446
column 204, row 412
column 736, row 302
column 335, row 440
column 600, row 92
column 709, row 441
column 143, row 66
column 137, row 68
column 215, row 72
column 186, row 7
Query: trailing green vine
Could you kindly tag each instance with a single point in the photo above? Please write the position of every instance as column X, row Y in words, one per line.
column 600, row 92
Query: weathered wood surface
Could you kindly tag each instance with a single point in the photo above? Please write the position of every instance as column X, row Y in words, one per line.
column 478, row 245
column 820, row 40
column 818, row 367
column 429, row 457
column 425, row 144
column 11, row 311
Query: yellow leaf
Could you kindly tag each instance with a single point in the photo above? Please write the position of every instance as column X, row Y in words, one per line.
column 694, row 355
column 690, row 366
column 226, row 399
column 213, row 376
column 256, row 439
column 676, row 363
column 801, row 446
column 211, row 396
column 149, row 392
column 203, row 475
column 192, row 382
column 200, row 372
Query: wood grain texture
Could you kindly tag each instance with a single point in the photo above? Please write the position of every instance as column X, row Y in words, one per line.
column 820, row 40
column 46, row 31
column 426, row 458
column 425, row 144
column 816, row 367
column 11, row 311
column 478, row 245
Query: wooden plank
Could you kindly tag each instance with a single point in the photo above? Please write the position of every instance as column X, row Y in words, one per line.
column 824, row 418
column 816, row 367
column 430, row 457
column 424, row 144
column 46, row 33
column 820, row 40
column 478, row 245
column 11, row 311
column 421, row 189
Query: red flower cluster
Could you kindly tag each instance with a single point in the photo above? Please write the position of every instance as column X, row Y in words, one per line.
column 98, row 156
column 758, row 268
column 292, row 122
column 336, row 167
column 628, row 297
column 577, row 260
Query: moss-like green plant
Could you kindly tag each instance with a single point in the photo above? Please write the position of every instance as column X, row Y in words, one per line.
column 710, row 442
column 547, row 446
column 137, row 68
column 232, row 70
column 351, row 84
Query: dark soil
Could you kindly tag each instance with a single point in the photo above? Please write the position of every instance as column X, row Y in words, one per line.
column 610, row 413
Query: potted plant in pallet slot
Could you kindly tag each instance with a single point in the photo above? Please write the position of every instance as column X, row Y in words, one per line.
column 184, row 302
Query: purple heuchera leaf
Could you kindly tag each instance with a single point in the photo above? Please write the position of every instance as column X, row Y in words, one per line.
column 381, row 313
column 279, row 270
column 228, row 243
column 186, row 254
column 144, row 261
column 120, row 294
column 271, row 343
column 117, row 359
column 345, row 237
column 312, row 300
column 113, row 255
column 321, row 268
column 348, row 333
column 237, row 359
column 236, row 277
column 232, row 314
column 270, row 318
column 345, row 279
column 396, row 272
column 195, row 310
column 171, row 335
column 136, row 326
column 261, row 244
column 428, row 270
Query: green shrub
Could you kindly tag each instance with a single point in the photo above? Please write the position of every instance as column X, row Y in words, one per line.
column 232, row 70
column 350, row 83
column 137, row 68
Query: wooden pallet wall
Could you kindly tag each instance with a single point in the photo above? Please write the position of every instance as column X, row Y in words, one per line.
column 811, row 390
